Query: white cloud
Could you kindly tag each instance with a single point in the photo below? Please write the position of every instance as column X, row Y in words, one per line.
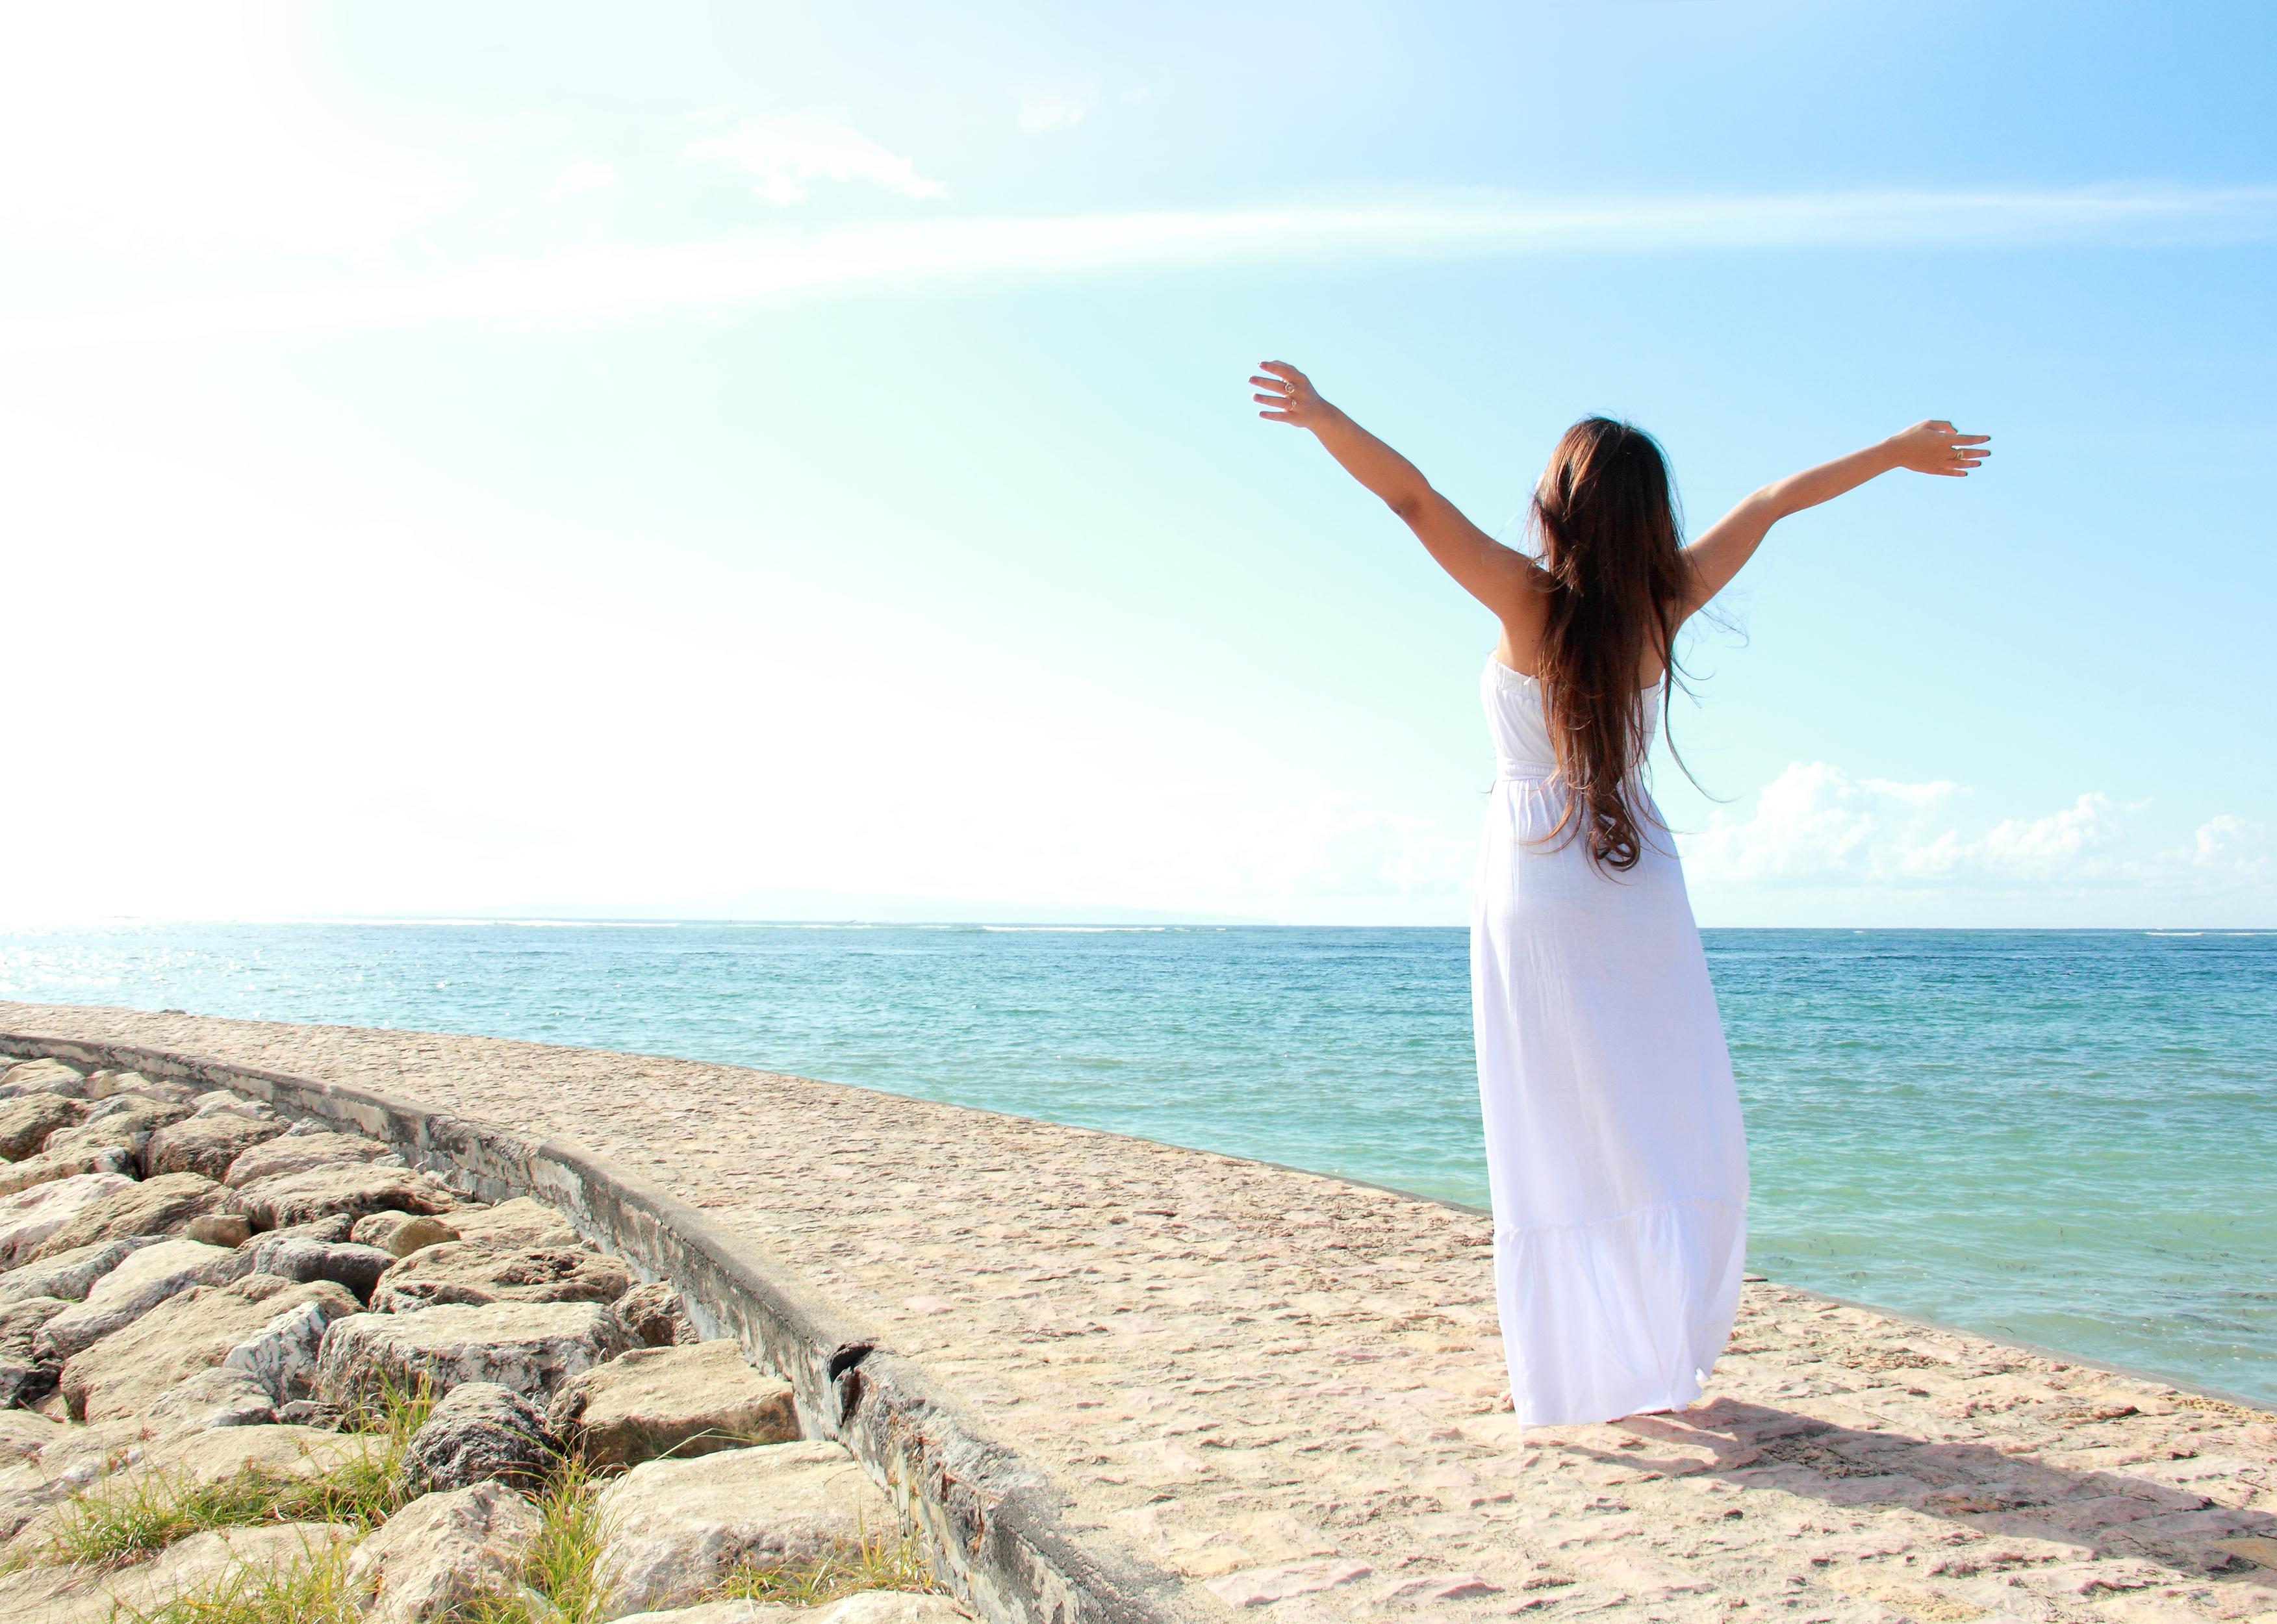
column 1815, row 825
column 190, row 127
column 784, row 153
column 789, row 263
column 1044, row 111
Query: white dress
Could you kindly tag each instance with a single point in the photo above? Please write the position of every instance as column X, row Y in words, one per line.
column 1615, row 1151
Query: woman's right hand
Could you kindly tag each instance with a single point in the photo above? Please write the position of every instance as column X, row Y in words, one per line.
column 1935, row 447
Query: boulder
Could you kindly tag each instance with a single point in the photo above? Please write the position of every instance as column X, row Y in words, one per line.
column 219, row 1229
column 50, row 1164
column 23, row 1434
column 228, row 1102
column 70, row 1275
column 282, row 1354
column 891, row 1607
column 440, row 1554
column 194, row 1331
column 479, row 1432
column 201, row 1459
column 221, row 1565
column 25, row 1375
column 529, row 1347
column 298, row 1258
column 27, row 1120
column 401, row 1233
column 140, row 1284
column 676, row 1527
column 302, row 1153
column 29, row 1218
column 205, row 1144
column 345, row 1191
column 655, row 1315
column 110, row 1084
column 679, row 1401
column 221, row 1396
column 41, row 1077
column 331, row 1229
column 736, row 1612
column 463, row 1271
column 310, row 1413
column 156, row 1206
column 511, row 1225
column 124, row 1121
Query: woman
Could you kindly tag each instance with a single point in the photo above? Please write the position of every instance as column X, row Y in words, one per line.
column 1615, row 1152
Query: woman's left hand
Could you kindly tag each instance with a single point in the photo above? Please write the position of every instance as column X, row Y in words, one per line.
column 1292, row 398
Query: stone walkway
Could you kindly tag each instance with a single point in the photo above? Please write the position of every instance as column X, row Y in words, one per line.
column 1288, row 1389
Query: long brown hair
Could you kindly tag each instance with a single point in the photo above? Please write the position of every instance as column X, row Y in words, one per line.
column 1606, row 516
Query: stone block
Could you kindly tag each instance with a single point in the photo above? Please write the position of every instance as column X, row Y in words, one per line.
column 676, row 1401
column 345, row 1191
column 138, row 1285
column 477, row 1432
column 441, row 1554
column 29, row 1218
column 465, row 1271
column 159, row 1205
column 27, row 1120
column 126, row 1372
column 304, row 1152
column 206, row 1144
column 655, row 1315
column 529, row 1348
column 676, row 1527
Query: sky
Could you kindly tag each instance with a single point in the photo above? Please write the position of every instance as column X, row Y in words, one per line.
column 796, row 461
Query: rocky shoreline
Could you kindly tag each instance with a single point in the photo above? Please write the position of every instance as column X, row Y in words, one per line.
column 255, row 1367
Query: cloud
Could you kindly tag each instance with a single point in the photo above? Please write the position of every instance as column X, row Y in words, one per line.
column 782, row 153
column 1817, row 825
column 841, row 261
column 586, row 175
column 1044, row 111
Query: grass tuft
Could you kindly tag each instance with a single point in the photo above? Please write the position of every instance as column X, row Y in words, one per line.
column 875, row 1564
column 559, row 1570
column 314, row 1590
column 108, row 1525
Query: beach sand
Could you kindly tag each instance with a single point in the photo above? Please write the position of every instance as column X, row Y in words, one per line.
column 1288, row 1389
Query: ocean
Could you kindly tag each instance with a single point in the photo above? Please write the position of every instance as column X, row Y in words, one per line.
column 2062, row 1138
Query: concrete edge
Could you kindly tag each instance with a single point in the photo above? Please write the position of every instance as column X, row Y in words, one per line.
column 989, row 1517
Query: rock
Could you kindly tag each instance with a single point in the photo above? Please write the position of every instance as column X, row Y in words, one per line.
column 330, row 1230
column 221, row 1396
column 738, row 1611
column 463, row 1271
column 282, row 1354
column 27, row 1376
column 298, row 1258
column 401, row 1233
column 72, row 1275
column 309, row 1412
column 530, row 1347
column 30, row 1217
column 511, row 1225
column 229, row 1103
column 442, row 1551
column 349, row 1191
column 655, row 1315
column 156, row 1206
column 203, row 1564
column 678, row 1401
column 301, row 1152
column 110, row 1084
column 43, row 1077
column 219, row 1229
column 23, row 1434
column 675, row 1527
column 195, row 1330
column 205, row 1144
column 27, row 1120
column 891, row 1607
column 124, row 1121
column 200, row 1459
column 140, row 1284
column 479, row 1432
column 50, row 1166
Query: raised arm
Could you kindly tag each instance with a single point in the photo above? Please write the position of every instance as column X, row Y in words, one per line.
column 1729, row 543
column 1504, row 580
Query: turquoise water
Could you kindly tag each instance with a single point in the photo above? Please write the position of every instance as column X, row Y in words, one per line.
column 2062, row 1138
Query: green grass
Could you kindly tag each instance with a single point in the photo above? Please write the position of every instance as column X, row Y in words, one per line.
column 112, row 1523
column 314, row 1590
column 875, row 1564
column 560, row 1567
